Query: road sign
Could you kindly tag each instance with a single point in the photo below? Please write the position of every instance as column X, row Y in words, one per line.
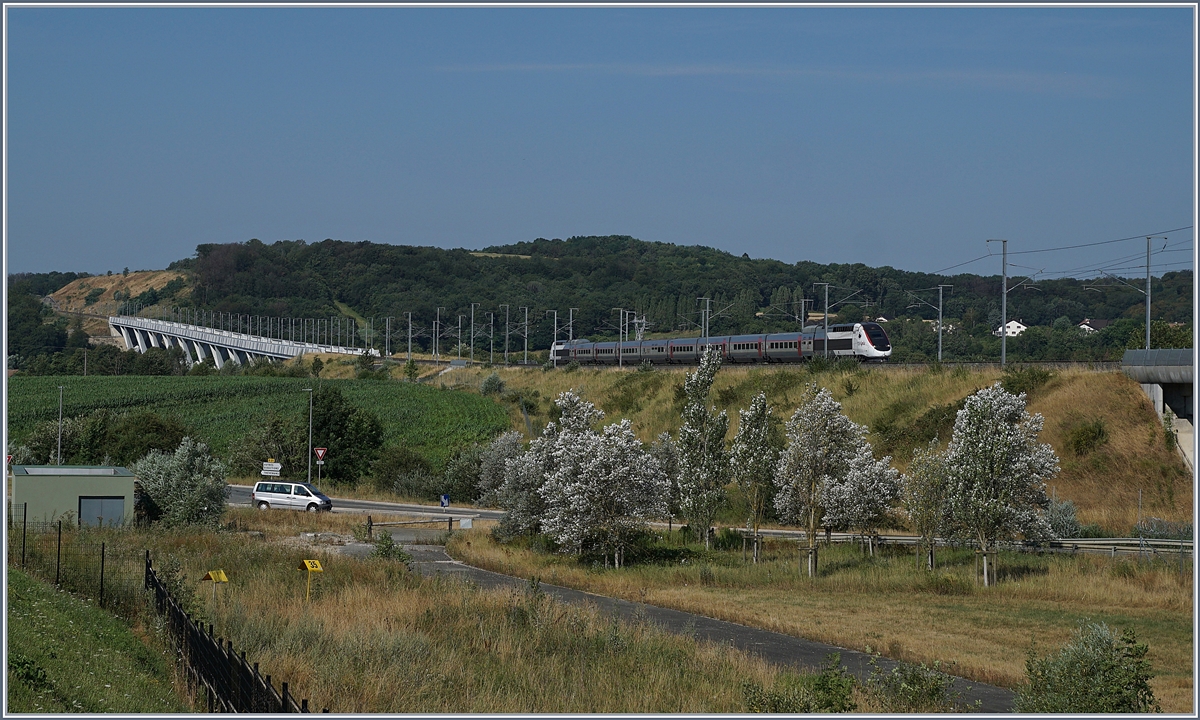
column 270, row 473
column 320, row 462
column 445, row 501
column 320, row 452
column 217, row 576
column 311, row 566
column 272, row 466
column 10, row 459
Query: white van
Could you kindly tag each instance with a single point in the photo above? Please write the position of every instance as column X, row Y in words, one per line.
column 294, row 496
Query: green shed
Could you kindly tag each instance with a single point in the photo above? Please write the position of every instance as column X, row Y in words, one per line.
column 92, row 494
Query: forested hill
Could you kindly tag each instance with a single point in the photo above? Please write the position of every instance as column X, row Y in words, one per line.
column 597, row 274
column 661, row 280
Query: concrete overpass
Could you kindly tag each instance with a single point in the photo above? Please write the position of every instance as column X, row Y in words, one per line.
column 1168, row 377
column 222, row 346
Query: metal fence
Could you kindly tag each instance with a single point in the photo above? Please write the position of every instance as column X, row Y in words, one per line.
column 230, row 683
column 87, row 563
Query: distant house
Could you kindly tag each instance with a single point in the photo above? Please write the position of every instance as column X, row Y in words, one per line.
column 1012, row 329
column 881, row 319
column 1090, row 326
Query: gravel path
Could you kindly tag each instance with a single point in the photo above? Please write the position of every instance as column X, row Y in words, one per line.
column 774, row 647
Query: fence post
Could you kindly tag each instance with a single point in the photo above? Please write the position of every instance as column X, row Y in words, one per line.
column 147, row 574
column 449, row 524
column 24, row 529
column 304, row 705
column 368, row 527
column 101, row 574
column 58, row 558
column 283, row 699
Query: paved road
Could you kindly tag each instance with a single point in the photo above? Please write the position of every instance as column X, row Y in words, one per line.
column 240, row 495
column 774, row 647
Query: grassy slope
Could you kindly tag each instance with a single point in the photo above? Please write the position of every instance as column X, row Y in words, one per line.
column 1104, row 484
column 431, row 420
column 65, row 655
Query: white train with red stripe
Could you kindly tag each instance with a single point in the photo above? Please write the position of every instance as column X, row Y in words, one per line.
column 864, row 341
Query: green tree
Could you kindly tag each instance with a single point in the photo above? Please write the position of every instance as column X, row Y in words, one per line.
column 352, row 435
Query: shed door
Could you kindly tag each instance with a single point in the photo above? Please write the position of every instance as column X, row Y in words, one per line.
column 101, row 510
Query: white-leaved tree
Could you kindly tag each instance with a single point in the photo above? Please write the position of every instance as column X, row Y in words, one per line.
column 492, row 461
column 184, row 487
column 924, row 496
column 863, row 497
column 665, row 452
column 752, row 459
column 997, row 472
column 603, row 489
column 703, row 465
column 520, row 495
column 823, row 446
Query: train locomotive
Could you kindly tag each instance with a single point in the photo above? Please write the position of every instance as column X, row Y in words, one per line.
column 865, row 341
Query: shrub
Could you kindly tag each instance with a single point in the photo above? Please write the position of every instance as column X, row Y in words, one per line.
column 1086, row 437
column 828, row 691
column 911, row 688
column 571, row 366
column 396, row 461
column 1026, row 380
column 387, row 549
column 1096, row 672
column 1061, row 516
column 646, row 366
column 187, row 486
column 410, row 370
column 492, row 385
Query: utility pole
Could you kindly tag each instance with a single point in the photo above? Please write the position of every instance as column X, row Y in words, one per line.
column 473, row 332
column 387, row 339
column 310, row 403
column 1004, row 302
column 491, row 338
column 460, row 319
column 620, row 337
column 825, row 343
column 940, row 319
column 437, row 332
column 526, row 335
column 704, row 315
column 60, row 395
column 571, row 324
column 1147, row 293
column 409, row 314
column 505, row 306
column 553, row 354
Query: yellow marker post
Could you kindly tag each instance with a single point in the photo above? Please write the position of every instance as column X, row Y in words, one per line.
column 312, row 566
column 215, row 576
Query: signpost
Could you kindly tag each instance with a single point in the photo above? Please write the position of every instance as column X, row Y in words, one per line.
column 312, row 566
column 215, row 576
column 271, row 468
column 445, row 501
column 320, row 453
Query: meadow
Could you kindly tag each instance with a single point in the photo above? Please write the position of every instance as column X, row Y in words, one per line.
column 431, row 420
column 887, row 604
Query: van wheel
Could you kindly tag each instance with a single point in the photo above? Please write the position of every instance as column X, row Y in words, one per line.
column 312, row 507
column 262, row 505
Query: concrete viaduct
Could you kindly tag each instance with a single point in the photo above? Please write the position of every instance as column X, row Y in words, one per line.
column 199, row 343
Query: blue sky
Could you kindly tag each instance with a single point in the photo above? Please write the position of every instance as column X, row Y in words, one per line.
column 903, row 137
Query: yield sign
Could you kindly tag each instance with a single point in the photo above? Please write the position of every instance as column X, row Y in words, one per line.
column 320, row 452
column 10, row 459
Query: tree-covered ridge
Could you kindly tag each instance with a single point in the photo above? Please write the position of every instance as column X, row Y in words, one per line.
column 661, row 281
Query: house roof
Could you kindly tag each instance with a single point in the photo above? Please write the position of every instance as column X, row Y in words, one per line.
column 1096, row 324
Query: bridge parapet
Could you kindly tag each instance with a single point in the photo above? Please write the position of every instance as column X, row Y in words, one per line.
column 222, row 346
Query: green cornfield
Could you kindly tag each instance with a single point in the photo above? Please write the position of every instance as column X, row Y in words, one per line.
column 431, row 420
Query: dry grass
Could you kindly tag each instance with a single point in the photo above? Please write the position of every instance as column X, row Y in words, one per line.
column 375, row 638
column 888, row 605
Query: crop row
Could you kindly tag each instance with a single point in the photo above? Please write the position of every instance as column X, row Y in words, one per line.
column 220, row 409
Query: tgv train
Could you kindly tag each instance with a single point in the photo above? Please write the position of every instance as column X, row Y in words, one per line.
column 864, row 341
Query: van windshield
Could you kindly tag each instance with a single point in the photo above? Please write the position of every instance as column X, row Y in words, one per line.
column 311, row 489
